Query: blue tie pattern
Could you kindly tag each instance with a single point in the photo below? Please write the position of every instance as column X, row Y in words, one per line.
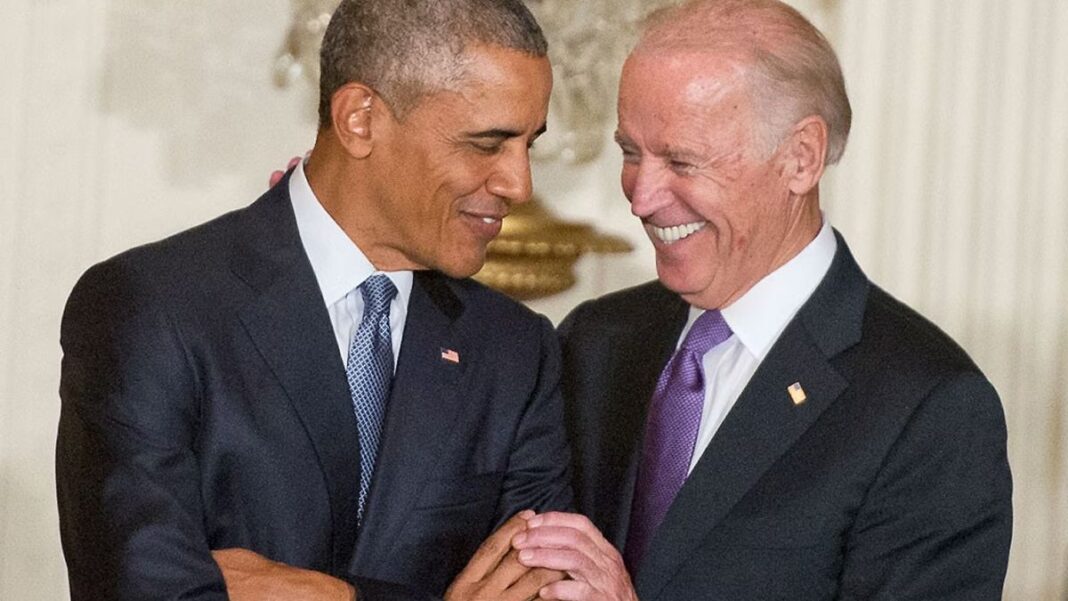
column 370, row 373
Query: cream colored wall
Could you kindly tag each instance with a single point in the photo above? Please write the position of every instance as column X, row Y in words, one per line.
column 123, row 120
column 953, row 195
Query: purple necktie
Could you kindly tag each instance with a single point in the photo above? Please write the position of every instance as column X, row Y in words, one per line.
column 671, row 433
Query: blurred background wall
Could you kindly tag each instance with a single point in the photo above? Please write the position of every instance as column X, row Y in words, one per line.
column 122, row 121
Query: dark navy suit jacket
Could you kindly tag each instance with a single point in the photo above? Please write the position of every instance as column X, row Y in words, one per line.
column 889, row 482
column 205, row 406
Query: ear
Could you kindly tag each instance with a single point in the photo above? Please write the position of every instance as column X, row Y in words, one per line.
column 807, row 154
column 353, row 111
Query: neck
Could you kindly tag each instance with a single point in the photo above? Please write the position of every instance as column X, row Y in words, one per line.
column 341, row 184
column 801, row 231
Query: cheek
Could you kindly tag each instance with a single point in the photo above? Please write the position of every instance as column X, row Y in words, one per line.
column 704, row 200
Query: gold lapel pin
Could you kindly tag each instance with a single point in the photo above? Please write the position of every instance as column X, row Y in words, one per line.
column 797, row 394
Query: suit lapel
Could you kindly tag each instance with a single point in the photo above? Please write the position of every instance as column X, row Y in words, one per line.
column 762, row 426
column 765, row 422
column 289, row 325
column 423, row 400
column 644, row 353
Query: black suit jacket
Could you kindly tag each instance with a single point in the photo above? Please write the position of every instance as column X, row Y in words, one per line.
column 889, row 482
column 205, row 406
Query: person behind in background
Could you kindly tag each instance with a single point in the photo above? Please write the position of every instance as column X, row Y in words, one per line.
column 307, row 398
column 763, row 422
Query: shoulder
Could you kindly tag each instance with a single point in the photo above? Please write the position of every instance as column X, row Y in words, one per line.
column 622, row 308
column 916, row 378
column 157, row 279
column 168, row 259
column 193, row 254
column 903, row 340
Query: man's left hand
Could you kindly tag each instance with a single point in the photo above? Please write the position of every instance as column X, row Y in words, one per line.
column 571, row 543
column 250, row 576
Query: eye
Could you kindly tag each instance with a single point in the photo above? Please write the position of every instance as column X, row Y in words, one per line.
column 630, row 156
column 487, row 147
column 681, row 167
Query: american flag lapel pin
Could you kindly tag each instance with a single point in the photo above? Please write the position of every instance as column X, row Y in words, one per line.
column 797, row 394
column 447, row 354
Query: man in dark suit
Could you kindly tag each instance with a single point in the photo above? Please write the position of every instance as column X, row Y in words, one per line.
column 763, row 422
column 305, row 398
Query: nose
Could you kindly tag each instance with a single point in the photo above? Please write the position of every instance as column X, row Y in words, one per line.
column 510, row 178
column 646, row 186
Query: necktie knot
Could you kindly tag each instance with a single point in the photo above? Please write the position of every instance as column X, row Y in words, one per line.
column 708, row 330
column 377, row 292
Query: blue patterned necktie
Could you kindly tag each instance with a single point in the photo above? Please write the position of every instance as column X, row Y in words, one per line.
column 671, row 433
column 370, row 373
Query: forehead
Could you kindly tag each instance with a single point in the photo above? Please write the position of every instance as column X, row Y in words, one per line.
column 498, row 84
column 683, row 95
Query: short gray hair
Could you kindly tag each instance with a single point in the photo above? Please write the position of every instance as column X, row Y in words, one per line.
column 790, row 66
column 406, row 49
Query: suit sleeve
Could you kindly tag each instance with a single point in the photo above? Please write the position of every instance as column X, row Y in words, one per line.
column 937, row 522
column 538, row 476
column 127, row 479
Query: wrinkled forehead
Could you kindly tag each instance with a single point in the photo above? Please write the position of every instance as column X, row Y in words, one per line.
column 684, row 100
column 682, row 77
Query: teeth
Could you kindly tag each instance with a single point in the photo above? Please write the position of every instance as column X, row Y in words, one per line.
column 488, row 220
column 675, row 233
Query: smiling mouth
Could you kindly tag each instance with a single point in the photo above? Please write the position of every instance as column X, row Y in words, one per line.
column 484, row 218
column 674, row 233
column 486, row 226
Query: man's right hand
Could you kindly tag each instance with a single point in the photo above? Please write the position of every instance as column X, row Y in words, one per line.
column 494, row 572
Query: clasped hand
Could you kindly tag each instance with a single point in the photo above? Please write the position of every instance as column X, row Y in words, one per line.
column 494, row 573
column 572, row 544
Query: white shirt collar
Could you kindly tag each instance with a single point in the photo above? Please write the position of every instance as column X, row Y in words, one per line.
column 761, row 314
column 338, row 263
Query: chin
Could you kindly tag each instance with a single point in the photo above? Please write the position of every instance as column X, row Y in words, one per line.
column 682, row 281
column 463, row 267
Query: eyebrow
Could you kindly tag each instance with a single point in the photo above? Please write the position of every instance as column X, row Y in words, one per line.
column 683, row 154
column 503, row 134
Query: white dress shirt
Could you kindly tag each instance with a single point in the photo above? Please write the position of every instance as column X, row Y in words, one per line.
column 756, row 320
column 340, row 267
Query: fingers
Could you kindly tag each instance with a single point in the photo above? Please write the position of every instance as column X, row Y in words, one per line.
column 529, row 585
column 507, row 572
column 555, row 537
column 566, row 520
column 493, row 549
column 276, row 176
column 572, row 544
column 566, row 590
column 575, row 563
column 573, row 521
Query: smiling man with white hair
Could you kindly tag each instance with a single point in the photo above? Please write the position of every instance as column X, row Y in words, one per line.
column 763, row 422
